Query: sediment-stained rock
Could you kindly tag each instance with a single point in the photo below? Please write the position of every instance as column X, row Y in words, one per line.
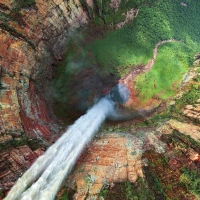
column 112, row 158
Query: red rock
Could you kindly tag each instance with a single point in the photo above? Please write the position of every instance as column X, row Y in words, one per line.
column 14, row 162
column 35, row 118
column 112, row 158
column 3, row 49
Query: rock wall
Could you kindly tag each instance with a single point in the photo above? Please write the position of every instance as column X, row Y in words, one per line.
column 17, row 161
column 32, row 39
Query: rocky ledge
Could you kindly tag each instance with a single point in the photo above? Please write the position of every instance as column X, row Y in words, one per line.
column 113, row 158
column 33, row 37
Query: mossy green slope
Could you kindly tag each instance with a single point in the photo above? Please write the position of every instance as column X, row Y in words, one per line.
column 167, row 73
column 132, row 45
column 122, row 50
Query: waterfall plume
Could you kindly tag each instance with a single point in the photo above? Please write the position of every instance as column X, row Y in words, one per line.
column 44, row 178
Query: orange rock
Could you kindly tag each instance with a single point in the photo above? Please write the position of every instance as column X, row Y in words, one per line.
column 185, row 128
column 40, row 29
column 193, row 155
column 112, row 158
column 192, row 111
column 6, row 2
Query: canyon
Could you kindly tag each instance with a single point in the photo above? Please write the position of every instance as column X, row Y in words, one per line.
column 35, row 38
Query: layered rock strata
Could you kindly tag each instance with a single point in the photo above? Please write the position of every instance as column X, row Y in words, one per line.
column 117, row 157
column 112, row 158
column 14, row 162
column 32, row 39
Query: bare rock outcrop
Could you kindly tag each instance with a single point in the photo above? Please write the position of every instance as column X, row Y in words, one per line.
column 14, row 162
column 192, row 111
column 32, row 39
column 112, row 158
column 183, row 127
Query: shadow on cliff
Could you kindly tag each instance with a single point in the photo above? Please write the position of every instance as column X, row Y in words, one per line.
column 79, row 82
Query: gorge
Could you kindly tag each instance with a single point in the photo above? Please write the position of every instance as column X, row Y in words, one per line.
column 52, row 167
column 58, row 58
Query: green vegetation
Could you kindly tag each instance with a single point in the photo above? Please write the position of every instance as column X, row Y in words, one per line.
column 120, row 51
column 75, row 62
column 23, row 3
column 124, row 49
column 154, row 184
column 164, row 171
column 167, row 73
column 23, row 140
column 139, row 191
column 191, row 179
column 132, row 45
column 186, row 141
column 190, row 97
column 103, row 193
column 66, row 193
column 156, row 21
column 135, row 191
column 65, row 196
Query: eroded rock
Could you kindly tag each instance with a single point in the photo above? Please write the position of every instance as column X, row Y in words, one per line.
column 112, row 158
column 14, row 162
column 183, row 127
column 34, row 39
column 192, row 111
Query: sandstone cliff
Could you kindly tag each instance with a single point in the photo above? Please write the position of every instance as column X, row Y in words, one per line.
column 34, row 38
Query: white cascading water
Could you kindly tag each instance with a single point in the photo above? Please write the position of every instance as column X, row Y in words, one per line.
column 50, row 169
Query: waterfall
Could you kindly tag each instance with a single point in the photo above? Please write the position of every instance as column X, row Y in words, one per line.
column 44, row 178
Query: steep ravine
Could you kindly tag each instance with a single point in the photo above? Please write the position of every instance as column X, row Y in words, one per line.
column 34, row 38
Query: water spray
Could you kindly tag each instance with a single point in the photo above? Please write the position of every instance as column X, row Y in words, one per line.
column 44, row 178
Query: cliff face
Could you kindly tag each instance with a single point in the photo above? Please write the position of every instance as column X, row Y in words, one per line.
column 15, row 162
column 32, row 39
column 34, row 36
